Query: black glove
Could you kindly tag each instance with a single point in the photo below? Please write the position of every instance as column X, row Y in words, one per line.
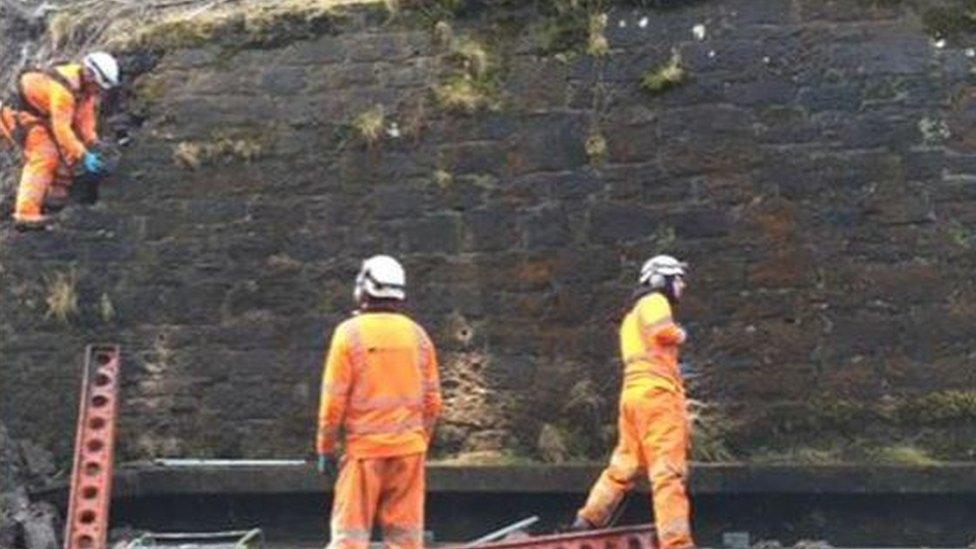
column 327, row 465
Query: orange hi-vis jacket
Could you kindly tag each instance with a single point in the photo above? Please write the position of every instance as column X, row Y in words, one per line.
column 381, row 388
column 649, row 342
column 72, row 112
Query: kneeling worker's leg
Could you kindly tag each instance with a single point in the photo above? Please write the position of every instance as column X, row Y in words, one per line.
column 357, row 492
column 665, row 444
column 401, row 511
column 41, row 161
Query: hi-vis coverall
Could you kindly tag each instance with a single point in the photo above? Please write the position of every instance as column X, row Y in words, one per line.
column 380, row 387
column 653, row 426
column 68, row 115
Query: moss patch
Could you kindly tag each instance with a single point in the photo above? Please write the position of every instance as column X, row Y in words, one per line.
column 664, row 77
column 264, row 24
column 370, row 125
column 596, row 148
column 597, row 44
column 226, row 148
column 901, row 455
column 940, row 408
column 487, row 458
column 471, row 83
column 147, row 91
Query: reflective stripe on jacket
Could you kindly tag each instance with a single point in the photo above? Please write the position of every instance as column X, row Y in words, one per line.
column 380, row 387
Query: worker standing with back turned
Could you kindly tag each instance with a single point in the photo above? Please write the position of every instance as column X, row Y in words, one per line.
column 653, row 423
column 55, row 124
column 381, row 389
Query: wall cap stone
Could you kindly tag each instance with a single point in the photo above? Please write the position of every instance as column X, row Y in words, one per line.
column 142, row 480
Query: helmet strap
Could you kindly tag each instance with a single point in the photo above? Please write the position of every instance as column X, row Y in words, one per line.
column 668, row 290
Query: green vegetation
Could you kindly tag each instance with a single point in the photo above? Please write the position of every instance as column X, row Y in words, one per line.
column 664, row 77
column 597, row 44
column 464, row 94
column 796, row 456
column 223, row 147
column 62, row 295
column 370, row 125
column 664, row 237
column 901, row 455
column 471, row 84
column 105, row 308
column 583, row 423
column 859, row 452
column 574, row 26
column 443, row 33
column 939, row 408
column 147, row 91
column 710, row 431
column 952, row 20
column 487, row 458
column 596, row 147
column 262, row 23
column 961, row 235
column 443, row 178
column 552, row 444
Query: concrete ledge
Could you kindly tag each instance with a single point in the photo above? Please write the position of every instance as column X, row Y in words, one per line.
column 148, row 480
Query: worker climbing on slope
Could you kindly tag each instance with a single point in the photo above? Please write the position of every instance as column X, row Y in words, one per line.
column 653, row 423
column 56, row 127
column 381, row 389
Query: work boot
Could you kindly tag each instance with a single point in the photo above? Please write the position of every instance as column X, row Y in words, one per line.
column 31, row 223
column 581, row 525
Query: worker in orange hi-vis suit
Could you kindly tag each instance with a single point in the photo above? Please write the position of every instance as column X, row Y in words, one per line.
column 64, row 100
column 653, row 423
column 381, row 390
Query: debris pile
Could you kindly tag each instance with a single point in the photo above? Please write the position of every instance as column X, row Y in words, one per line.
column 25, row 524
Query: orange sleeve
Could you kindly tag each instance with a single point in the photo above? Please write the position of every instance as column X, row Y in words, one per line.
column 87, row 119
column 433, row 403
column 657, row 323
column 336, row 384
column 670, row 334
column 62, row 121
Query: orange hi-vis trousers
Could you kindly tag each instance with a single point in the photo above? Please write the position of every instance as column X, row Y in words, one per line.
column 654, row 438
column 43, row 175
column 386, row 490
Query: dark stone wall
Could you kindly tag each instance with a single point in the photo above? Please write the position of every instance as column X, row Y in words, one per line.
column 816, row 168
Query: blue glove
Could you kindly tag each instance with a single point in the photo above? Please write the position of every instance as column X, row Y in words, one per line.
column 93, row 163
column 326, row 465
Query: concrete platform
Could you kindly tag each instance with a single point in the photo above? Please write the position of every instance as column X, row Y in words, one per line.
column 142, row 480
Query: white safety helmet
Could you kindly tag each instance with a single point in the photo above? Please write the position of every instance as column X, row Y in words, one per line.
column 655, row 271
column 104, row 67
column 381, row 277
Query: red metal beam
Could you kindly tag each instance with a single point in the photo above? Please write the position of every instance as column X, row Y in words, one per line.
column 628, row 537
column 91, row 476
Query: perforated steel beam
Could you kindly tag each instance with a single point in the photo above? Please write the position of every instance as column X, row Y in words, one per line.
column 91, row 476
